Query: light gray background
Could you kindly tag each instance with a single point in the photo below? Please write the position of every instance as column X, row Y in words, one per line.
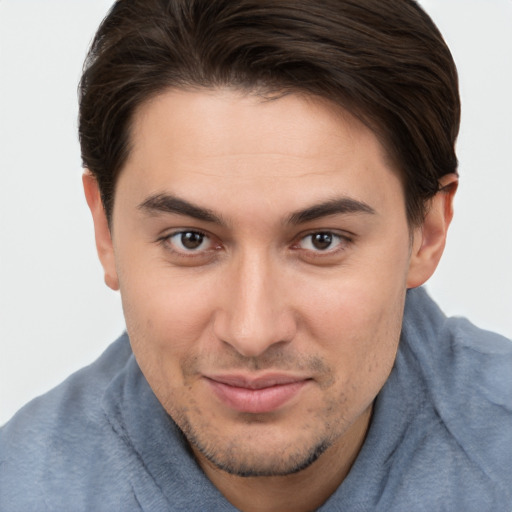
column 56, row 315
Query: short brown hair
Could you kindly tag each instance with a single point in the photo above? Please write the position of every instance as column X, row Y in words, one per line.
column 382, row 60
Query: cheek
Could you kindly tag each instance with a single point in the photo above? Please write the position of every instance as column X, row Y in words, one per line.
column 167, row 305
column 165, row 328
column 359, row 341
column 166, row 319
column 357, row 325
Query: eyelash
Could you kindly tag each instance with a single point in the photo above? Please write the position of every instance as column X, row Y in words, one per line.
column 166, row 241
column 344, row 241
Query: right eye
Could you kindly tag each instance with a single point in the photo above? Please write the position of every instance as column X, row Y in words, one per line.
column 188, row 242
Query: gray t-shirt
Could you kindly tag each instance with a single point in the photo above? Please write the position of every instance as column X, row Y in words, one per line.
column 440, row 437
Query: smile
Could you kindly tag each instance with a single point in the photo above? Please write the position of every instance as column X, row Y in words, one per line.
column 256, row 396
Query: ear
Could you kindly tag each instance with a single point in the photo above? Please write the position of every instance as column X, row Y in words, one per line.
column 429, row 239
column 102, row 234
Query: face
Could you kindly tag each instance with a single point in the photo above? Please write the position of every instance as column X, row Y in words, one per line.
column 263, row 253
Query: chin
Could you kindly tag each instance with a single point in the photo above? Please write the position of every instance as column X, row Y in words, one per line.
column 252, row 455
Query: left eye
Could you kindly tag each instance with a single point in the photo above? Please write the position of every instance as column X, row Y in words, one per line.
column 189, row 241
column 321, row 241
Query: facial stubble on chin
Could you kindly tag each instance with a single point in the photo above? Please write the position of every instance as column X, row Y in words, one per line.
column 228, row 455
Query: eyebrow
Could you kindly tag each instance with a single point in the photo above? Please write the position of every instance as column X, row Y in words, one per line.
column 165, row 203
column 342, row 205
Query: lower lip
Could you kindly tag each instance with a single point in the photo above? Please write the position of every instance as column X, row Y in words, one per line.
column 256, row 401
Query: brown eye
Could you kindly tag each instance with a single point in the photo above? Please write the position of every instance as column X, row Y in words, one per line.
column 322, row 241
column 189, row 241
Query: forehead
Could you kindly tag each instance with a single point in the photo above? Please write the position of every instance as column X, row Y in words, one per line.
column 208, row 143
column 213, row 120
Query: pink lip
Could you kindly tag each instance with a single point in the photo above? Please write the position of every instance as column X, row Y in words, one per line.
column 256, row 395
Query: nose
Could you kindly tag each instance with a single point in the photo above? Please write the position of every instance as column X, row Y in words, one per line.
column 256, row 313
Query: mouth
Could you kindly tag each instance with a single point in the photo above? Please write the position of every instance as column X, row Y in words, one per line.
column 258, row 395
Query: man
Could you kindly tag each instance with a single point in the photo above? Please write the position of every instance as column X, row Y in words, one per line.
column 270, row 184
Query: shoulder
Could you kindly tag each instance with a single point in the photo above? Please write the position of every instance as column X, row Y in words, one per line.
column 467, row 374
column 479, row 374
column 454, row 349
column 78, row 395
column 62, row 434
column 455, row 355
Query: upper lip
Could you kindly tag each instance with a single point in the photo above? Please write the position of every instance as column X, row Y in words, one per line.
column 256, row 382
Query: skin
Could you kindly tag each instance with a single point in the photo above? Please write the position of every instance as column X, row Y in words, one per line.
column 271, row 286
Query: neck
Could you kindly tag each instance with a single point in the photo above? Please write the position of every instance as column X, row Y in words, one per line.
column 300, row 492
